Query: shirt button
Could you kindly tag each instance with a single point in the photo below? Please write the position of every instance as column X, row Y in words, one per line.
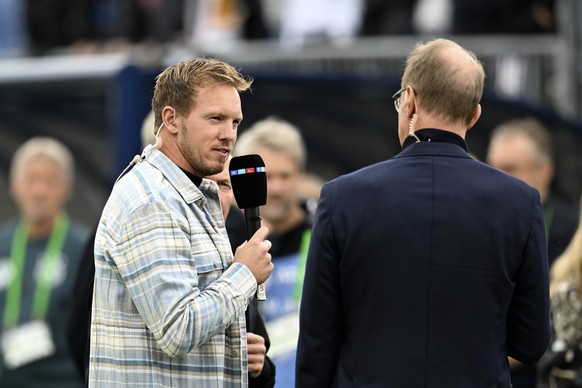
column 235, row 353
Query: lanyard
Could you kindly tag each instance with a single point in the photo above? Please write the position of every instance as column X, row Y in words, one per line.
column 305, row 240
column 549, row 217
column 49, row 260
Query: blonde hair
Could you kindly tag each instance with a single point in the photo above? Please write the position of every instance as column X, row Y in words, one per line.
column 569, row 264
column 444, row 85
column 45, row 147
column 178, row 84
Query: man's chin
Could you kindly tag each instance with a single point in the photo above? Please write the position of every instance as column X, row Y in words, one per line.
column 39, row 218
column 213, row 169
column 273, row 216
column 217, row 170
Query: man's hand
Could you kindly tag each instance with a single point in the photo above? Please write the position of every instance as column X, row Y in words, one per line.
column 254, row 253
column 256, row 354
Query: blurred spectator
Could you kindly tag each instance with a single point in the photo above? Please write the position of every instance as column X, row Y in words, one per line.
column 79, row 318
column 57, row 24
column 503, row 16
column 281, row 146
column 138, row 21
column 476, row 16
column 254, row 20
column 307, row 21
column 215, row 25
column 560, row 367
column 523, row 148
column 382, row 17
column 39, row 255
column 433, row 16
column 308, row 192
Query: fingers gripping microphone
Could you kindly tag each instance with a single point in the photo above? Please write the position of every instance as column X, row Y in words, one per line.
column 249, row 185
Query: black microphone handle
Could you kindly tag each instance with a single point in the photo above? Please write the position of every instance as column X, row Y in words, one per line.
column 252, row 221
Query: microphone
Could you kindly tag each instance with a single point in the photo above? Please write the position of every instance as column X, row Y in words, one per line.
column 249, row 185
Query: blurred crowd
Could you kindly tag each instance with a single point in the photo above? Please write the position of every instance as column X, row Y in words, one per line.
column 30, row 27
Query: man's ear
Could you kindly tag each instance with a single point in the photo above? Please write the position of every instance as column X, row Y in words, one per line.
column 410, row 103
column 170, row 119
column 475, row 117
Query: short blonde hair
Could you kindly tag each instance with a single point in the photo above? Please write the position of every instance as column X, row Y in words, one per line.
column 178, row 84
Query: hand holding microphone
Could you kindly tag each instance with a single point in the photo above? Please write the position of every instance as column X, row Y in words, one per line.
column 249, row 185
column 254, row 253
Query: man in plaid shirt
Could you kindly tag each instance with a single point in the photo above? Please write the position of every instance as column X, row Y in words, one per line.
column 169, row 297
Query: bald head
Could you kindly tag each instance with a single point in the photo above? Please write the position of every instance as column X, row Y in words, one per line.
column 448, row 80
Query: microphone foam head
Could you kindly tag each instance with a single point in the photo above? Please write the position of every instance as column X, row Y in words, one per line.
column 249, row 180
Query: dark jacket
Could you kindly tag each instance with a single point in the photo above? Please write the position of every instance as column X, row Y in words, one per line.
column 426, row 270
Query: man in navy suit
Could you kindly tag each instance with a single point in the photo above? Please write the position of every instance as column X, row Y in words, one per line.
column 428, row 269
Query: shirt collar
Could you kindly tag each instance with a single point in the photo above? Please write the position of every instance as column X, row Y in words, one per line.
column 176, row 177
column 196, row 180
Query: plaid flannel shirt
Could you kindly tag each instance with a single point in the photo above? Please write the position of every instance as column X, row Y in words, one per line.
column 168, row 303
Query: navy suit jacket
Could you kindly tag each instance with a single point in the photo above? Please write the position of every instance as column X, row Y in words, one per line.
column 426, row 270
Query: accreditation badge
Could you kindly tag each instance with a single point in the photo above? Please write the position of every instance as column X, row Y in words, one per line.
column 27, row 343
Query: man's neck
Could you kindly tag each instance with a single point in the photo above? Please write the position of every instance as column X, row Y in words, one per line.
column 39, row 229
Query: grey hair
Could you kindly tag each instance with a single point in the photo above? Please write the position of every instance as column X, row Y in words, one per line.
column 534, row 130
column 48, row 148
column 276, row 134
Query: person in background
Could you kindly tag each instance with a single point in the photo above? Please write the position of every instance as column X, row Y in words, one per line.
column 143, row 22
column 281, row 147
column 428, row 269
column 39, row 255
column 511, row 17
column 566, row 299
column 53, row 26
column 261, row 368
column 169, row 298
column 79, row 320
column 308, row 192
column 304, row 22
column 217, row 25
column 523, row 148
column 387, row 17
